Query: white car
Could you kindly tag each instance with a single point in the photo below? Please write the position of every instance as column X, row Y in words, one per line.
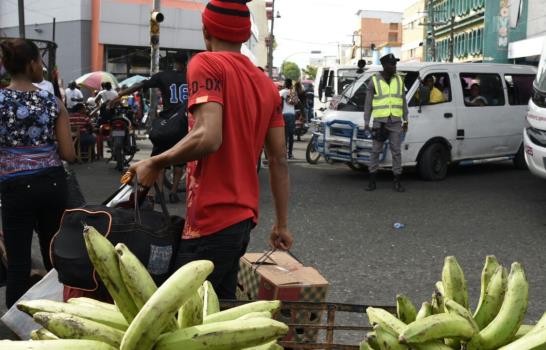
column 450, row 131
column 534, row 137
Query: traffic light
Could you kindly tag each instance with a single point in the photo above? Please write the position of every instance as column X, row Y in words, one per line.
column 155, row 18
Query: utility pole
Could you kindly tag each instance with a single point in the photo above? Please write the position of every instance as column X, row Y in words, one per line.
column 432, row 30
column 452, row 36
column 156, row 18
column 271, row 41
column 21, row 8
column 361, row 48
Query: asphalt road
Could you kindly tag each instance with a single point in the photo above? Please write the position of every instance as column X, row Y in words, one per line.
column 348, row 235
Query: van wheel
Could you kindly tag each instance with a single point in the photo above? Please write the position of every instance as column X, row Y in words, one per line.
column 433, row 162
column 519, row 159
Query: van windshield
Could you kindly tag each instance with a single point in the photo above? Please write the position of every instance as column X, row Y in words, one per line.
column 354, row 96
column 345, row 77
column 540, row 83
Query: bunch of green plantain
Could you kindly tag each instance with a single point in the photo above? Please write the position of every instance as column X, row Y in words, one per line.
column 447, row 323
column 183, row 313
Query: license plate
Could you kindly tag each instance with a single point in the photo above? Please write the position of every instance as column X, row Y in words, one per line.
column 118, row 132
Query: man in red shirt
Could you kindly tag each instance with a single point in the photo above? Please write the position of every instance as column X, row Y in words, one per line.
column 234, row 109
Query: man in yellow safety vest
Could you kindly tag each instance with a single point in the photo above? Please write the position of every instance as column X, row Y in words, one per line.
column 386, row 104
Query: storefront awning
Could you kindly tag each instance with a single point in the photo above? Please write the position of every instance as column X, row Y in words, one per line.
column 526, row 48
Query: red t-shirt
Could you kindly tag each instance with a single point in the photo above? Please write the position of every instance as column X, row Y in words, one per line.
column 223, row 186
column 82, row 121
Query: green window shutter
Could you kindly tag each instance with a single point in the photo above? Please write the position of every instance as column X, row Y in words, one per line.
column 471, row 43
column 480, row 41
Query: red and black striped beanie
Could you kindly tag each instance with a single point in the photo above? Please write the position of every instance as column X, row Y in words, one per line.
column 228, row 20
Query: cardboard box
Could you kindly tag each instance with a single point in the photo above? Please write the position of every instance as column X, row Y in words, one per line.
column 282, row 277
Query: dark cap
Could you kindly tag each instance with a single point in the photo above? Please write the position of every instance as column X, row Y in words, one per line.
column 389, row 58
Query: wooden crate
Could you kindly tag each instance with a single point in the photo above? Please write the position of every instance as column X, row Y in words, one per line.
column 326, row 326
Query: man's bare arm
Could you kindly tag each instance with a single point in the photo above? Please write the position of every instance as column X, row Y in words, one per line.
column 125, row 92
column 205, row 138
column 281, row 237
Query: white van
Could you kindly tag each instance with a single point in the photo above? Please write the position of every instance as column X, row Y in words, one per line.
column 534, row 137
column 329, row 82
column 447, row 132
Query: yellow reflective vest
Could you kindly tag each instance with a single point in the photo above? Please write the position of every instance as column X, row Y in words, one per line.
column 389, row 98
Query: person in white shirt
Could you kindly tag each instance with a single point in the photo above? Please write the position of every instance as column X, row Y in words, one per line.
column 106, row 94
column 73, row 96
column 45, row 84
column 289, row 112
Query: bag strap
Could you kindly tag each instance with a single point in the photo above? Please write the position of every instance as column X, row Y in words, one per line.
column 162, row 203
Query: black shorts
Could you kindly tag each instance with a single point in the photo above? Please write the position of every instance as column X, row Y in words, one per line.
column 158, row 149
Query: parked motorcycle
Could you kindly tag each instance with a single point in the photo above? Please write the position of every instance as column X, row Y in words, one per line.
column 312, row 154
column 122, row 138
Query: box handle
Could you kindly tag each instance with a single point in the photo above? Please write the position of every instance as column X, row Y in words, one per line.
column 267, row 256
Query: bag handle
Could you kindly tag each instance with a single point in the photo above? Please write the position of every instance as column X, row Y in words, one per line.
column 116, row 192
column 162, row 203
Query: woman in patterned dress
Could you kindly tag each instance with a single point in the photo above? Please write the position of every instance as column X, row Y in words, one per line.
column 34, row 138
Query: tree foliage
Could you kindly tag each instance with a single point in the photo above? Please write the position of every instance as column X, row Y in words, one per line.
column 310, row 71
column 290, row 70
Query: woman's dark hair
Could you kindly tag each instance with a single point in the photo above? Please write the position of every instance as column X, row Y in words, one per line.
column 288, row 83
column 108, row 85
column 17, row 55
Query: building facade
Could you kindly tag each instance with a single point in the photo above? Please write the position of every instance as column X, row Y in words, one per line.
column 114, row 35
column 474, row 30
column 260, row 30
column 379, row 32
column 528, row 50
column 413, row 33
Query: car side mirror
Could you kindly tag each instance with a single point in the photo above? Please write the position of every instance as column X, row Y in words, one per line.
column 329, row 91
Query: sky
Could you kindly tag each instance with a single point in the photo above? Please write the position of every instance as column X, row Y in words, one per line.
column 311, row 25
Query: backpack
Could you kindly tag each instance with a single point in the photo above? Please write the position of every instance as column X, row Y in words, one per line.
column 292, row 98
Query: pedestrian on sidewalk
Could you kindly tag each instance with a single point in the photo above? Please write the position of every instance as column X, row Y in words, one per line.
column 234, row 109
column 386, row 104
column 73, row 96
column 34, row 137
column 174, row 93
column 289, row 101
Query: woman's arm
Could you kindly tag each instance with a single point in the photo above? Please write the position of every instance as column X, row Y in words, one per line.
column 64, row 138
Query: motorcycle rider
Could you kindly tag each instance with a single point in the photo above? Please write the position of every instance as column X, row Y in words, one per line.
column 174, row 93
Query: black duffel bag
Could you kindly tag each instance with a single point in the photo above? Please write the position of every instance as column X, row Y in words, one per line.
column 151, row 235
